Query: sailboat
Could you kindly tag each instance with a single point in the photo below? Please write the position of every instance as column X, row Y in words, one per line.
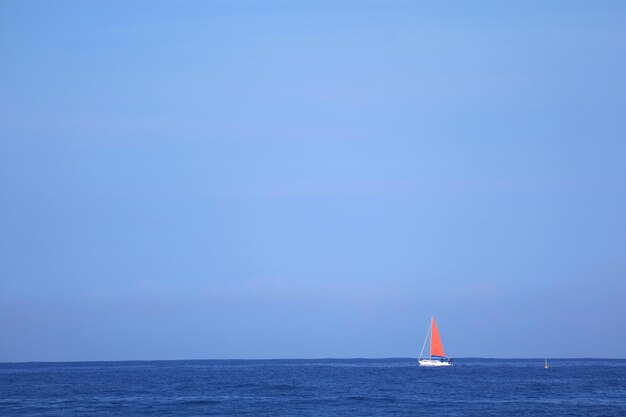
column 545, row 364
column 437, row 356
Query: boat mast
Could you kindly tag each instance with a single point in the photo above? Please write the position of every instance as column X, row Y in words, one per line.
column 432, row 320
column 427, row 334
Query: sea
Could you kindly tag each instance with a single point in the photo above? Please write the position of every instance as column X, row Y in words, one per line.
column 324, row 387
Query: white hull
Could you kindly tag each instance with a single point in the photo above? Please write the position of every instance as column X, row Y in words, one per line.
column 433, row 362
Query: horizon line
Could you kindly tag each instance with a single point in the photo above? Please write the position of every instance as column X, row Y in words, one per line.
column 304, row 359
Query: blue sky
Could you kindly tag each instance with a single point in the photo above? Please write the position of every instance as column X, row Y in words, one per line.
column 230, row 179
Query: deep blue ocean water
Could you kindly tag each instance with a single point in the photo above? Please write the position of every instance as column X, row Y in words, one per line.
column 329, row 387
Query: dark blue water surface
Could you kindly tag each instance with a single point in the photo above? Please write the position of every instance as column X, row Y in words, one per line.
column 329, row 387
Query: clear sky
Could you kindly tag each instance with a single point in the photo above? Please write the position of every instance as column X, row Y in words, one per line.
column 286, row 179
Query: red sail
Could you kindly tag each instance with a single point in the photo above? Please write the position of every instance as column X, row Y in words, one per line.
column 436, row 348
